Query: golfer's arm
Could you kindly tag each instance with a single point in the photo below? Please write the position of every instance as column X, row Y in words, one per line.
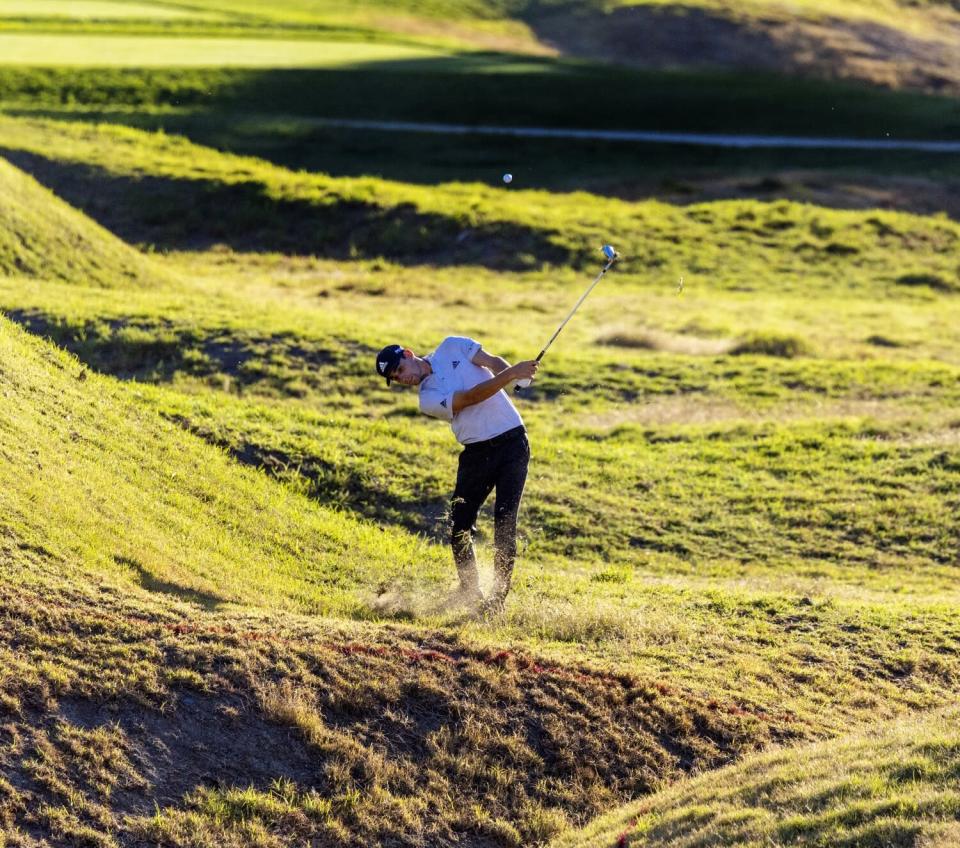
column 495, row 364
column 481, row 391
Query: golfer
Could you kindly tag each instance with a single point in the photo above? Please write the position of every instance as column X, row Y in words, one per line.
column 463, row 384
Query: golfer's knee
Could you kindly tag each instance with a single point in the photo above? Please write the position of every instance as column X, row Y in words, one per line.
column 505, row 516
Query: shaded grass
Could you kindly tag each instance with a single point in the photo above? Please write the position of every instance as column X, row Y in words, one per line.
column 628, row 170
column 481, row 88
column 163, row 190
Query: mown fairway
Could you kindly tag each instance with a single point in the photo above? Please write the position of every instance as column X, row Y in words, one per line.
column 145, row 51
column 223, row 541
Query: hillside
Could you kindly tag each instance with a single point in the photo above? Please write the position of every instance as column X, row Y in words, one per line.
column 42, row 237
column 890, row 43
column 162, row 190
column 101, row 484
column 896, row 785
column 224, row 567
column 273, row 82
column 833, row 436
column 147, row 707
column 143, row 706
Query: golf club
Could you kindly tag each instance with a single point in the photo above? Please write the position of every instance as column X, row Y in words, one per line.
column 612, row 257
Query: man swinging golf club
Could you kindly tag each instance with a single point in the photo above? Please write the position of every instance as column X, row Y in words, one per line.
column 463, row 384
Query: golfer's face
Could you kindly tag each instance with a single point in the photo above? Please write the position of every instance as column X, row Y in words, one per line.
column 407, row 373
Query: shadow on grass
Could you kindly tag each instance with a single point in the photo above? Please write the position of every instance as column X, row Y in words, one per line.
column 186, row 214
column 337, row 485
column 493, row 88
column 154, row 584
column 157, row 351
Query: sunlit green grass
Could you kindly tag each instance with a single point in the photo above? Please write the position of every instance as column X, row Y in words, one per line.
column 168, row 512
column 42, row 236
column 133, row 51
column 893, row 786
column 740, row 525
column 96, row 9
column 191, row 533
column 199, row 195
column 761, row 533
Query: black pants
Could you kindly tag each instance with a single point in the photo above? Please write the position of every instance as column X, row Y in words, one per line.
column 499, row 463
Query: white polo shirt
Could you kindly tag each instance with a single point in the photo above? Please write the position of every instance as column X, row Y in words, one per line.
column 454, row 371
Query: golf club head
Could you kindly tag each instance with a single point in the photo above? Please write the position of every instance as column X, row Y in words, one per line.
column 610, row 252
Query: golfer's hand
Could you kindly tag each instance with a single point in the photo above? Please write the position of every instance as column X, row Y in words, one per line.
column 525, row 370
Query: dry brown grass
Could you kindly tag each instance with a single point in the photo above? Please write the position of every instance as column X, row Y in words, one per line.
column 650, row 339
column 120, row 708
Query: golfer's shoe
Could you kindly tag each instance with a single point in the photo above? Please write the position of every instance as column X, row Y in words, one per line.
column 492, row 606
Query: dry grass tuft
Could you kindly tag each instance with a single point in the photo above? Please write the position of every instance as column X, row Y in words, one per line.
column 648, row 339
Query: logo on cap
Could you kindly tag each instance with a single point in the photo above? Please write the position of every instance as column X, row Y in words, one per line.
column 388, row 359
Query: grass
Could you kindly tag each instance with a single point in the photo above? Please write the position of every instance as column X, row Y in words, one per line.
column 424, row 84
column 146, row 51
column 161, row 190
column 94, row 9
column 323, row 731
column 177, row 548
column 216, row 529
column 893, row 786
column 43, row 237
column 838, row 501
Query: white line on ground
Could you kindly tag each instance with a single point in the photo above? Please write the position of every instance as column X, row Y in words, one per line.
column 702, row 139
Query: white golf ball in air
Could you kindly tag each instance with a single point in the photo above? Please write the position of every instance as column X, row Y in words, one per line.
column 508, row 178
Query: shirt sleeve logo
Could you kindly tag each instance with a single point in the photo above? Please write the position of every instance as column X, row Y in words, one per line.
column 443, row 403
column 456, row 362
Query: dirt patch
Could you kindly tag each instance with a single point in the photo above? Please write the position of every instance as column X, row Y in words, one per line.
column 649, row 339
column 475, row 745
column 206, row 741
column 832, row 48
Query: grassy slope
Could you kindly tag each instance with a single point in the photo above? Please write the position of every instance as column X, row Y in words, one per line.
column 226, row 534
column 896, row 785
column 134, row 717
column 324, row 11
column 160, row 189
column 42, row 237
column 123, row 542
column 783, row 656
column 888, row 481
column 269, row 112
column 75, row 771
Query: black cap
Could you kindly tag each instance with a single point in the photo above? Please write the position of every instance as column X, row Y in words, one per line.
column 388, row 359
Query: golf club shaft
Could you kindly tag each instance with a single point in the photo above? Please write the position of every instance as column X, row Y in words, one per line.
column 575, row 308
column 522, row 384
